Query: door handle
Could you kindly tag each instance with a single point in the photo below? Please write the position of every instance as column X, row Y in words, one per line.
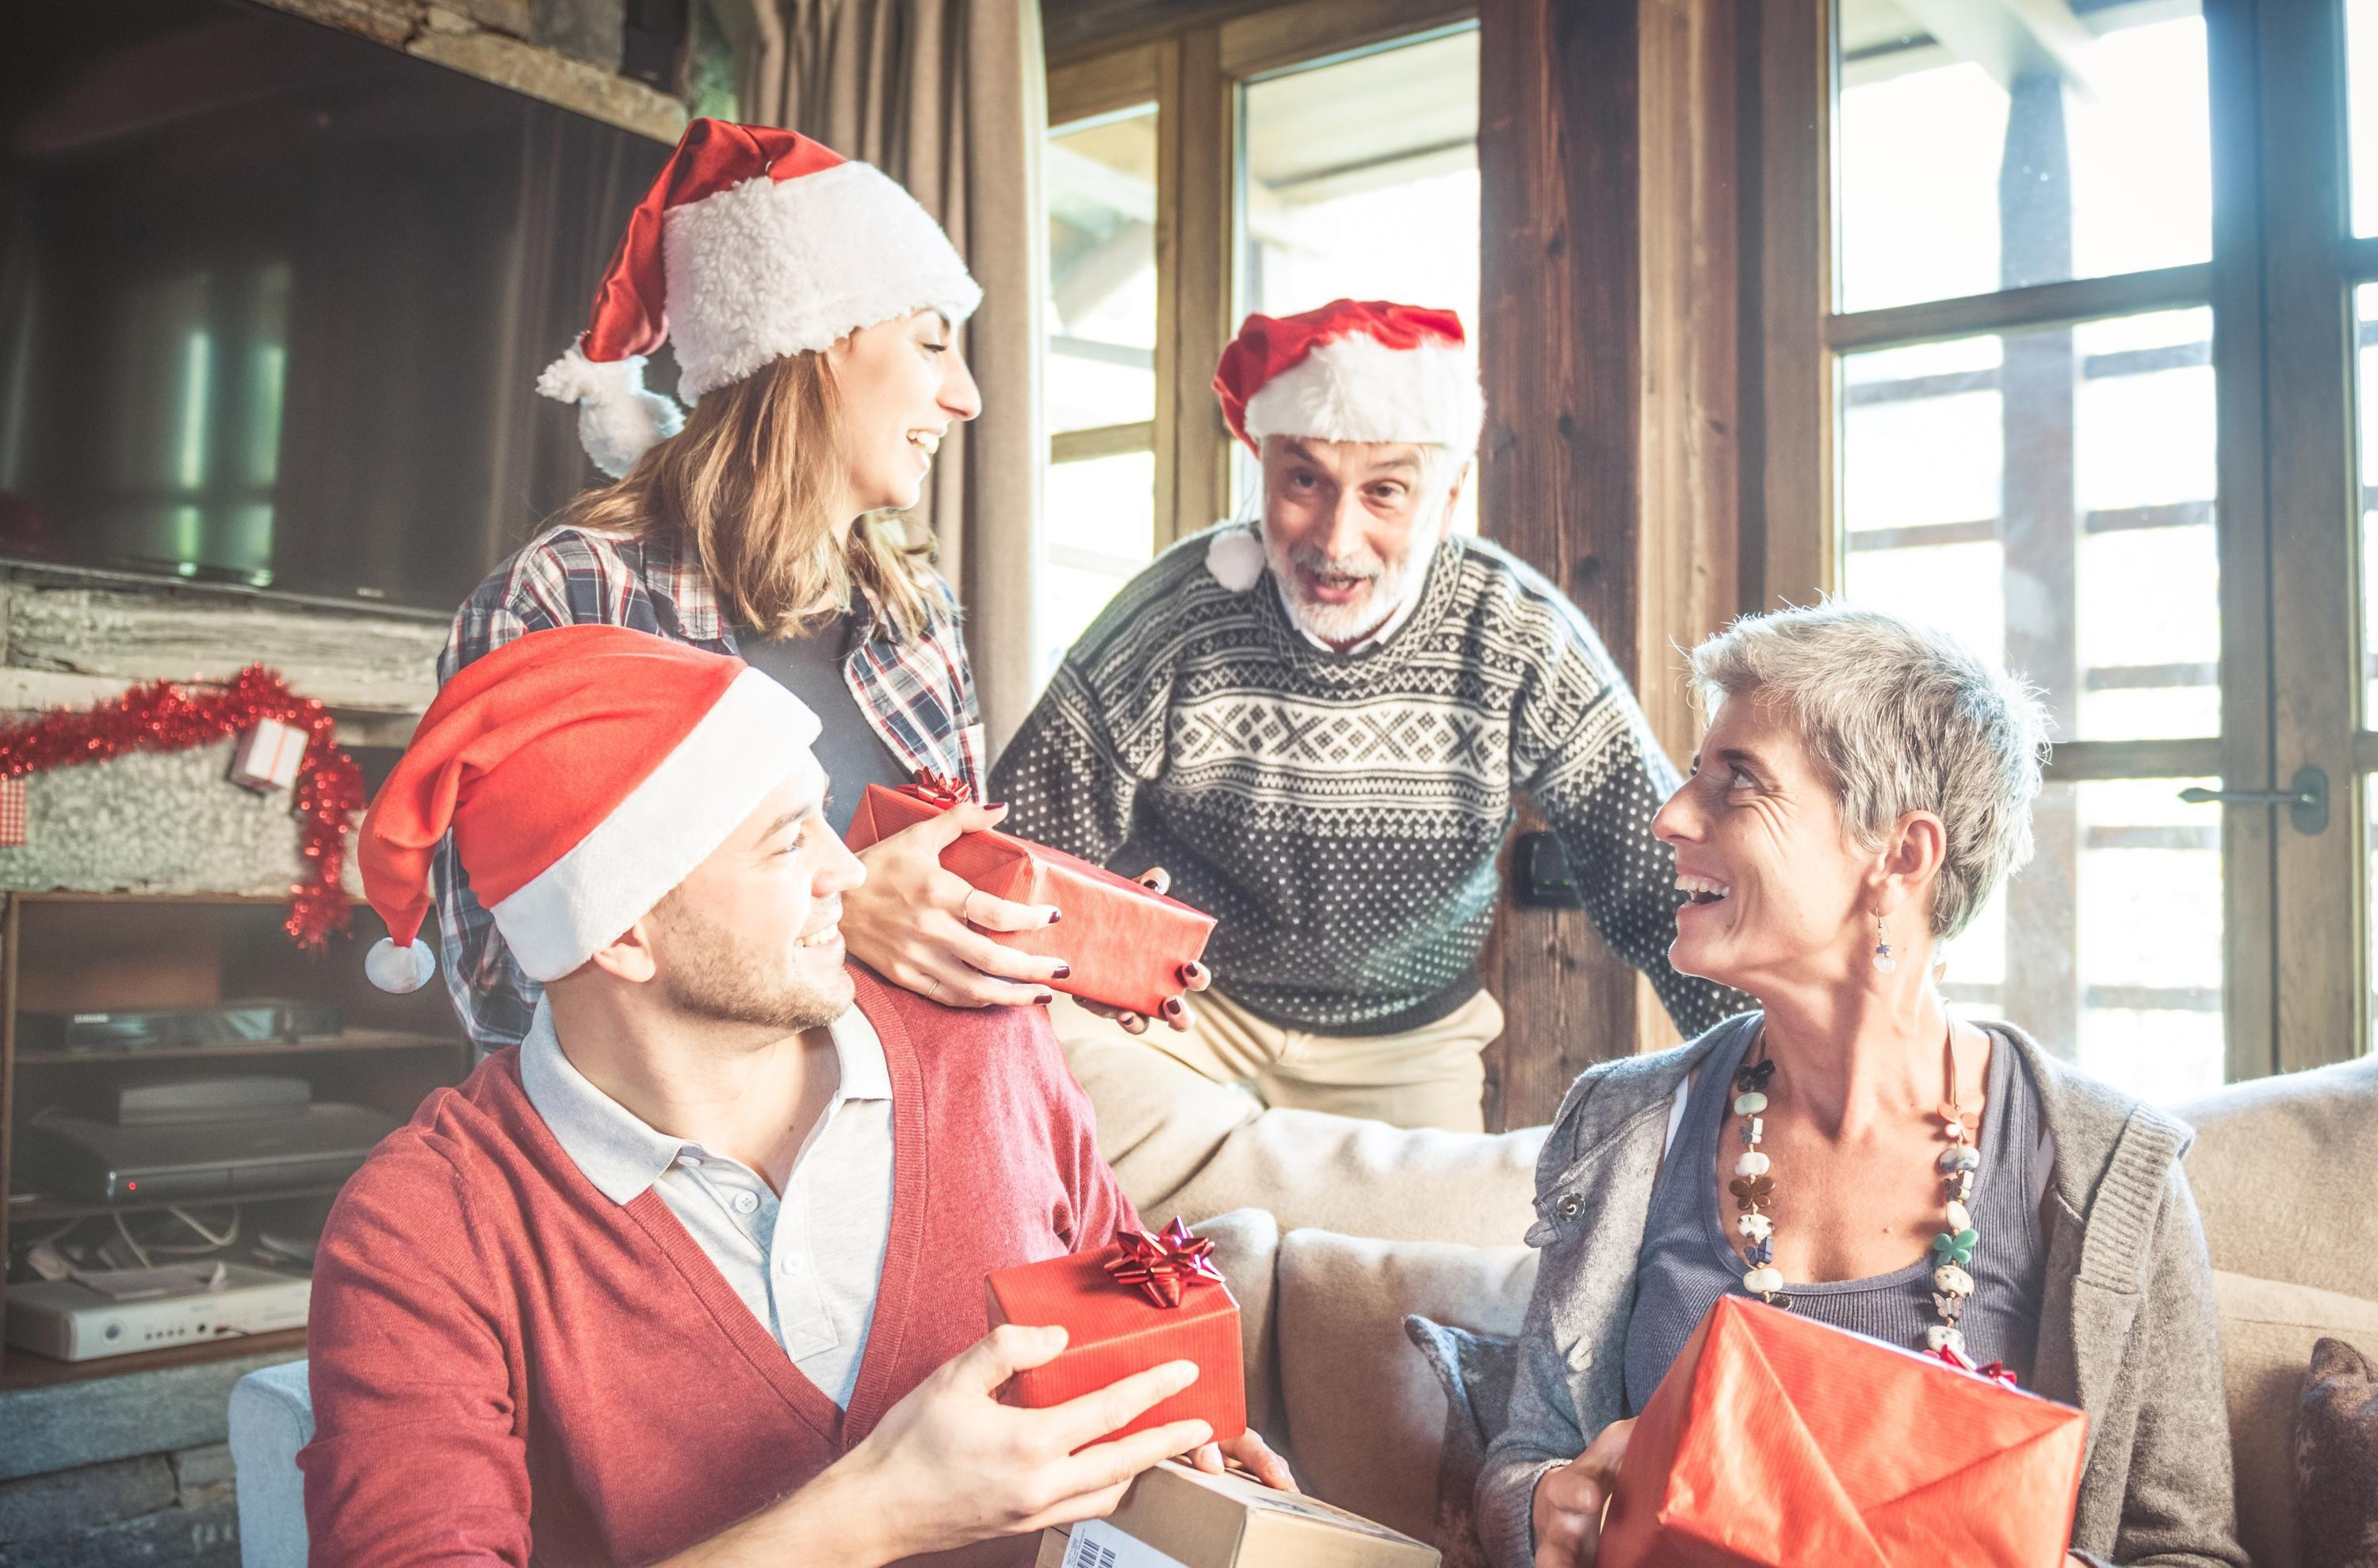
column 2306, row 798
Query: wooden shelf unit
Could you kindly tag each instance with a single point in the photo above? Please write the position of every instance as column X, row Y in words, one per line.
column 85, row 952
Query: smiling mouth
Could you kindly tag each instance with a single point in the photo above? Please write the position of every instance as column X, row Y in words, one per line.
column 927, row 442
column 1700, row 890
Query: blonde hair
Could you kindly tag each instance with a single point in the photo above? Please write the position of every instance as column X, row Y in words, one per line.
column 746, row 489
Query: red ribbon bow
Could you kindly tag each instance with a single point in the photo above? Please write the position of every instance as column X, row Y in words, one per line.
column 1164, row 1265
column 936, row 789
column 1996, row 1371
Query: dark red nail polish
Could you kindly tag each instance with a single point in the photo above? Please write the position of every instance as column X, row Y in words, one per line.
column 1044, row 998
column 1056, row 915
column 1173, row 1007
column 1065, row 971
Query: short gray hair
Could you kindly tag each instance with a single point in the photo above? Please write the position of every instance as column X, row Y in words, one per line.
column 1903, row 718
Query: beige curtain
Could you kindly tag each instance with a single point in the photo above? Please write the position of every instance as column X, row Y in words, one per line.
column 950, row 98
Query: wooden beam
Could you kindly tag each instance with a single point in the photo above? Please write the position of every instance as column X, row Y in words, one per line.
column 1787, row 529
column 1560, row 465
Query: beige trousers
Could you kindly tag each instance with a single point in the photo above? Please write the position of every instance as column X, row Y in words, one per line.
column 1427, row 1077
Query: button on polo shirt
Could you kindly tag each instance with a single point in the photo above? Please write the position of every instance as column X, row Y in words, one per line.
column 807, row 1264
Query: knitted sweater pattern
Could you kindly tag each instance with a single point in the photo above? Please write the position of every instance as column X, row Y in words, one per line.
column 1341, row 815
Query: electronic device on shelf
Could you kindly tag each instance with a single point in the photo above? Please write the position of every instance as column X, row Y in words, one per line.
column 83, row 1160
column 171, row 1102
column 72, row 1322
column 165, row 1029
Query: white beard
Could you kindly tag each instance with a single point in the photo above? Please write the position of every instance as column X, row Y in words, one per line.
column 1392, row 581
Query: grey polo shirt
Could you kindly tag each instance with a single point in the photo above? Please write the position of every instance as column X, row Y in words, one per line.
column 806, row 1265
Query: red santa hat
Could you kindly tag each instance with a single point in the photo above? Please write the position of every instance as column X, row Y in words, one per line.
column 1353, row 370
column 583, row 772
column 752, row 243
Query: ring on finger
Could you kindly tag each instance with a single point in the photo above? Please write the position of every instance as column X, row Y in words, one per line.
column 966, row 906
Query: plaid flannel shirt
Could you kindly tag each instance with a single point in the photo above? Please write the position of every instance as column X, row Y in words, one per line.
column 919, row 697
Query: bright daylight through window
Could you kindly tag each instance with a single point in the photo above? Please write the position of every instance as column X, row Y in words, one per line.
column 2048, row 493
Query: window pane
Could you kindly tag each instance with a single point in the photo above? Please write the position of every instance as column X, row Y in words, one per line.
column 2365, row 359
column 2019, row 146
column 2048, row 497
column 1359, row 180
column 1102, row 193
column 2361, row 110
column 1102, row 520
column 2107, row 946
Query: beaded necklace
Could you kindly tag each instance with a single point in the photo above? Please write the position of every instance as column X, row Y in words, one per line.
column 1952, row 1249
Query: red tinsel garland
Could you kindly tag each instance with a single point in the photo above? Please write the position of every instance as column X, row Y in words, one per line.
column 160, row 716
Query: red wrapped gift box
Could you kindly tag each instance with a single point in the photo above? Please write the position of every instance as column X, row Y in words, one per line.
column 1786, row 1443
column 1127, row 944
column 1114, row 1329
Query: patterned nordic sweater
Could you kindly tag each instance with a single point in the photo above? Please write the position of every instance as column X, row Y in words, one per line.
column 1341, row 814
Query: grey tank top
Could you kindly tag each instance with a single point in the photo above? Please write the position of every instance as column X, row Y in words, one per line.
column 848, row 747
column 1688, row 1258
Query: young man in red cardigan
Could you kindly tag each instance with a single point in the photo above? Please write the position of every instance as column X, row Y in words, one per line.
column 695, row 1273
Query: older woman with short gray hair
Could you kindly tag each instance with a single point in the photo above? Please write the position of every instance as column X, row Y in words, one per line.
column 1849, row 1151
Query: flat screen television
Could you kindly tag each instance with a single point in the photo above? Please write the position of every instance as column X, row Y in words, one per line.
column 274, row 300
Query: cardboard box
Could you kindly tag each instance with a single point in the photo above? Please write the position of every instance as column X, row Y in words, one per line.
column 1114, row 1331
column 1174, row 1516
column 1127, row 944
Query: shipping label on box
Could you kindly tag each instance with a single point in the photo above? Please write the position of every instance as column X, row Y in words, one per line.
column 1175, row 1516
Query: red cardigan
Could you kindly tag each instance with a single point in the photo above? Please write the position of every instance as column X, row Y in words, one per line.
column 507, row 1366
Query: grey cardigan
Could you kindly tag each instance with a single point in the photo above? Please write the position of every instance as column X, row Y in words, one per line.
column 2127, row 1327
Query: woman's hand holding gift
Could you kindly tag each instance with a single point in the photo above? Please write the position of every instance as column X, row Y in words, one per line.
column 920, row 924
column 1195, row 976
column 1569, row 1500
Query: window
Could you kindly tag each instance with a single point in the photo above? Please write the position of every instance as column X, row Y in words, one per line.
column 2089, row 302
column 1358, row 179
column 1100, row 184
column 1273, row 161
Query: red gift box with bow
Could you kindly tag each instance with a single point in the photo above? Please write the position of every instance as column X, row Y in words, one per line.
column 1125, row 943
column 1777, row 1441
column 1139, row 1303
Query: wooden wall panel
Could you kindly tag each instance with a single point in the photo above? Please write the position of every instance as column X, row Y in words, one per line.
column 1559, row 309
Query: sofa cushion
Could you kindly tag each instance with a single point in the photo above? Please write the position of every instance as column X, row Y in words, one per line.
column 2267, row 1169
column 1476, row 1371
column 1246, row 1250
column 2268, row 1329
column 272, row 1419
column 2337, row 1458
column 1364, row 1412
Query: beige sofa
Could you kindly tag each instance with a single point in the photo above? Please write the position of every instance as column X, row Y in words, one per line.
column 1332, row 1231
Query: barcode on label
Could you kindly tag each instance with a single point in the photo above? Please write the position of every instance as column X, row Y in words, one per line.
column 1097, row 1544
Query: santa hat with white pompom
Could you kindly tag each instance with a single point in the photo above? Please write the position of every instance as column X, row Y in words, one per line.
column 752, row 243
column 583, row 772
column 1353, row 370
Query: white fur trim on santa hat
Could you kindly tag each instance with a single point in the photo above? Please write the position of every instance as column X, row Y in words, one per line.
column 1357, row 389
column 752, row 738
column 618, row 420
column 400, row 970
column 770, row 268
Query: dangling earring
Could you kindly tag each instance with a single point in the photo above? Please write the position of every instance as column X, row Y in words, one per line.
column 1883, row 959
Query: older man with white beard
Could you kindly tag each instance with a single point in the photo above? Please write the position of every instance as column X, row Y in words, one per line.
column 1317, row 724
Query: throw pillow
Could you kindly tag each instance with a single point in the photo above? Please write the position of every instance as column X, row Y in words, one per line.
column 1476, row 1371
column 2337, row 1458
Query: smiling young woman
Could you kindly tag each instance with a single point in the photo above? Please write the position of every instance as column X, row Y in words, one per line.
column 813, row 308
